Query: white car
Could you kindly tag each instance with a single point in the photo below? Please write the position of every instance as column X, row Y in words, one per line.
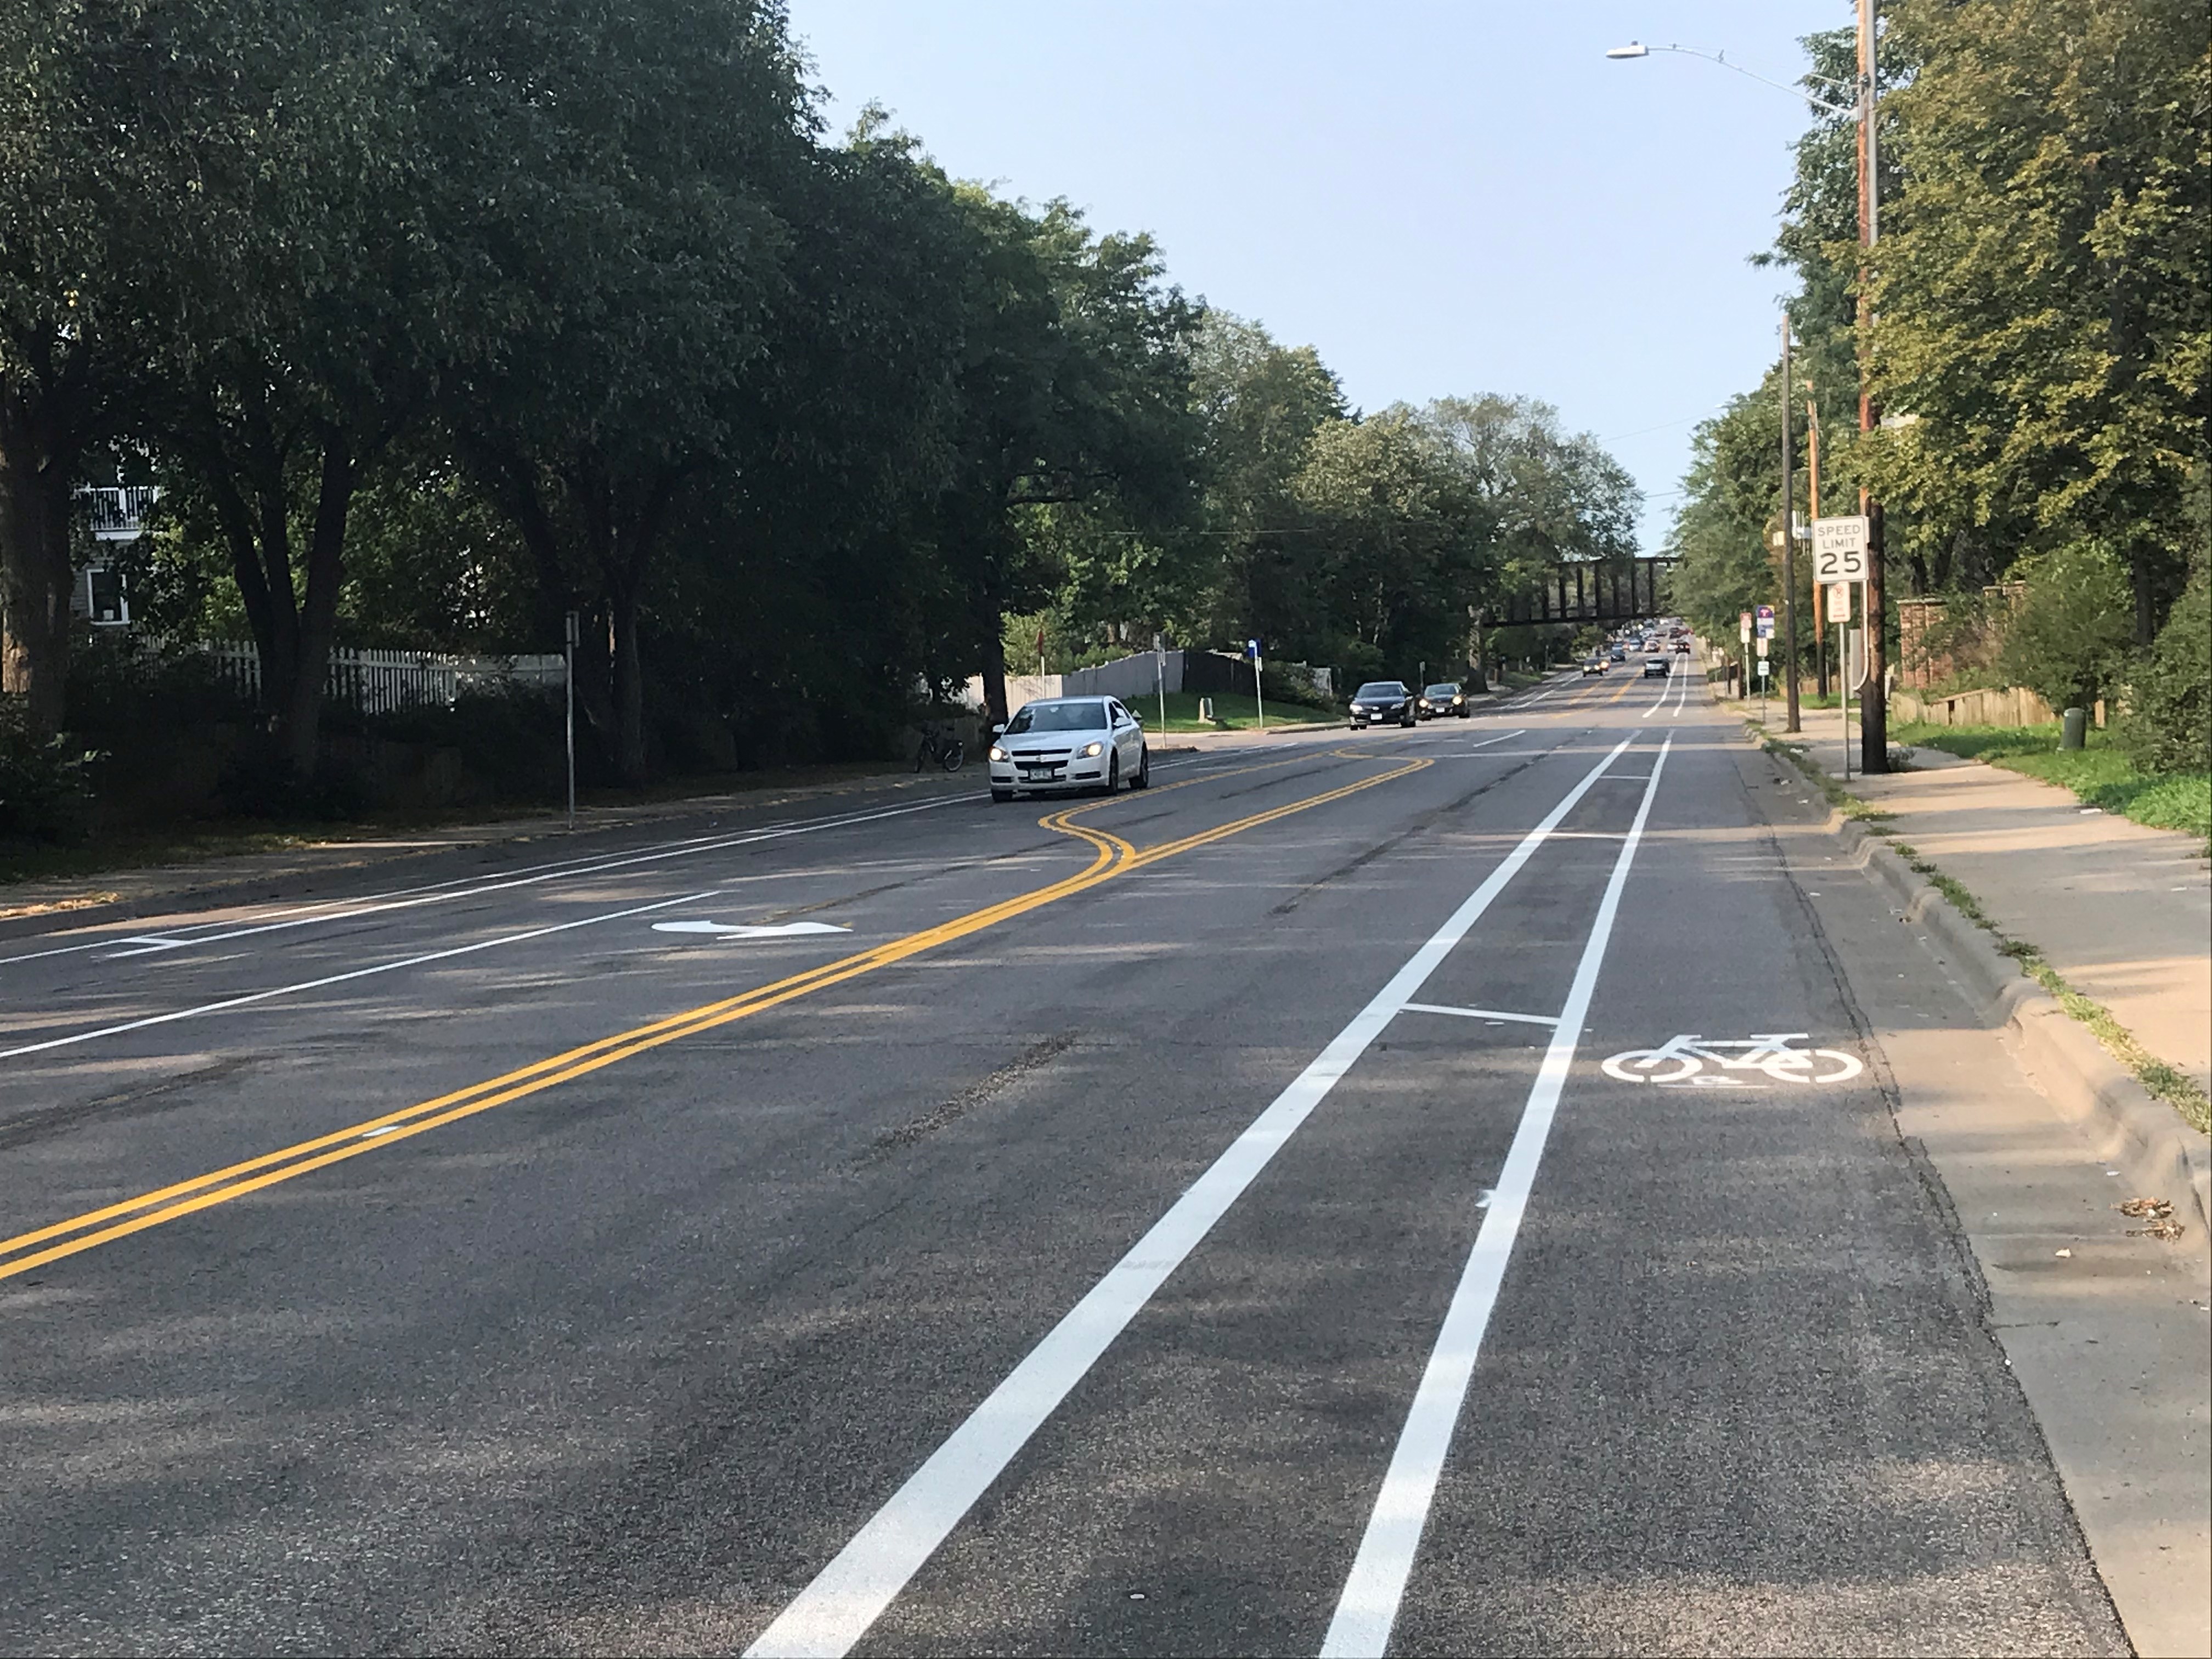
column 1060, row 746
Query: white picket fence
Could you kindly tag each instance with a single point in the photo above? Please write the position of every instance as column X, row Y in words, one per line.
column 379, row 682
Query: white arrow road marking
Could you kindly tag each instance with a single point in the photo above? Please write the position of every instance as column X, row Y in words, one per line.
column 782, row 930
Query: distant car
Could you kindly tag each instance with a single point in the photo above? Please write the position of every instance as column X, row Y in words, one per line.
column 1618, row 654
column 1381, row 702
column 1656, row 667
column 1058, row 746
column 1595, row 665
column 1444, row 698
column 1682, row 647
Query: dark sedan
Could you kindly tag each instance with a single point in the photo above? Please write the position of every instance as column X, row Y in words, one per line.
column 1383, row 702
column 1447, row 698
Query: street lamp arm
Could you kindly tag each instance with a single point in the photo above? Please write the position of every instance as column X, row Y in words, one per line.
column 1638, row 50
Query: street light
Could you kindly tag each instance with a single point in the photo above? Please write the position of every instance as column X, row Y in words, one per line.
column 1873, row 721
column 1637, row 49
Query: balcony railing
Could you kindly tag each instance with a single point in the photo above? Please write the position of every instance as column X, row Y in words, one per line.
column 119, row 514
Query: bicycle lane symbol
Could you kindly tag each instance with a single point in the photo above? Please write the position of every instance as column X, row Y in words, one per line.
column 1683, row 1062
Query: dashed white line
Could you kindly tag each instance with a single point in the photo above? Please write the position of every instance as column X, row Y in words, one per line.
column 1480, row 1013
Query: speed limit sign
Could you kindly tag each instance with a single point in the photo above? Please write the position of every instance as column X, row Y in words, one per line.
column 1840, row 549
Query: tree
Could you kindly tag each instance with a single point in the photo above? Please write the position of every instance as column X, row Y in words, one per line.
column 632, row 249
column 1074, row 390
column 103, row 122
column 2041, row 297
column 1731, row 503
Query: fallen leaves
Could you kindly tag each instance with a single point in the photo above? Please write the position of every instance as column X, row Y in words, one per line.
column 2158, row 1210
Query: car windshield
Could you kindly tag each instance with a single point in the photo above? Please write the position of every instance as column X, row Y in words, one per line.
column 1379, row 689
column 1444, row 690
column 1058, row 717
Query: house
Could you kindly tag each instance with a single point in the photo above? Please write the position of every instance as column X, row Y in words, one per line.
column 117, row 516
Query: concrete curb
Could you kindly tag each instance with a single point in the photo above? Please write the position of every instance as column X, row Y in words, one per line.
column 2125, row 1124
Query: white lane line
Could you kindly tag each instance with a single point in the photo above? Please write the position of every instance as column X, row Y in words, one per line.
column 1480, row 1013
column 405, row 898
column 340, row 979
column 1503, row 737
column 740, row 930
column 1679, row 698
column 1369, row 1606
column 835, row 1610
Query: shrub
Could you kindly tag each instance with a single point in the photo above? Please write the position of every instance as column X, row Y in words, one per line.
column 2068, row 641
column 126, row 684
column 45, row 794
column 2169, row 723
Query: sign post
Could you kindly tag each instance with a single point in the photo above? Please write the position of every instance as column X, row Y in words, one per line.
column 1160, row 668
column 1259, row 697
column 1839, row 612
column 569, row 694
column 1744, row 656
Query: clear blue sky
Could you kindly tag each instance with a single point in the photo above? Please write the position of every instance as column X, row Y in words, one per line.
column 1440, row 198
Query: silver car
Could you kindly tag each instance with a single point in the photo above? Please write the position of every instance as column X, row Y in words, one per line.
column 1062, row 746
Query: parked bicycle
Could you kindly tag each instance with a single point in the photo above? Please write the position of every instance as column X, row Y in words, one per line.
column 939, row 745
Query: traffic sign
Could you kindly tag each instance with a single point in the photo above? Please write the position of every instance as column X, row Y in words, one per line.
column 1840, row 549
column 1743, row 627
column 1766, row 621
column 1762, row 664
column 1762, row 653
column 1839, row 602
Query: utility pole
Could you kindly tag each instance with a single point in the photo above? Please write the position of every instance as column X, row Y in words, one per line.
column 1812, row 517
column 1873, row 706
column 1788, row 542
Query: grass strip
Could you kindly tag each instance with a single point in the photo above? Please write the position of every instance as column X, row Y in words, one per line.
column 1232, row 713
column 2169, row 1083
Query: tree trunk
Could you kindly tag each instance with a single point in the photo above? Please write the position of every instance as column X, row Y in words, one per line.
column 994, row 682
column 303, row 697
column 2143, row 577
column 628, row 687
column 35, row 567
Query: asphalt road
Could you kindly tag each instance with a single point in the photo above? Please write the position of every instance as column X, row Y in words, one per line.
column 1198, row 1221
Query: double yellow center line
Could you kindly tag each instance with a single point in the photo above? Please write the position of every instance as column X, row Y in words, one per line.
column 1111, row 856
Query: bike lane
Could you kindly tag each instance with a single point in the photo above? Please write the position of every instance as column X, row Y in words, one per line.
column 1739, row 1393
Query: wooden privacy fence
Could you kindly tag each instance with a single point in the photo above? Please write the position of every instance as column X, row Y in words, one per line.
column 380, row 682
column 2013, row 705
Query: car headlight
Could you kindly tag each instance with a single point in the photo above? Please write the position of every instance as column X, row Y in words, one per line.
column 1457, row 700
column 997, row 753
column 1091, row 751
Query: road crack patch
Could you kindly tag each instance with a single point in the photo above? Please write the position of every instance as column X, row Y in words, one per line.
column 1033, row 1058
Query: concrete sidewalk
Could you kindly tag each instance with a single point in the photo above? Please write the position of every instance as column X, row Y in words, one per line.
column 2123, row 912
